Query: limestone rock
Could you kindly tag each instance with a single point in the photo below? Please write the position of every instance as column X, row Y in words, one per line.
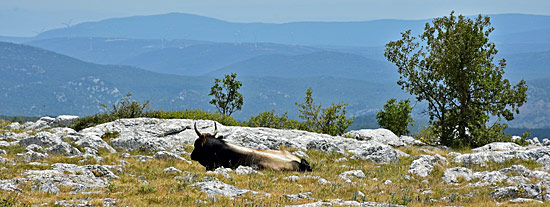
column 43, row 139
column 246, row 170
column 163, row 155
column 299, row 196
column 9, row 185
column 505, row 193
column 216, row 187
column 79, row 178
column 31, row 156
column 171, row 170
column 319, row 179
column 424, row 165
column 451, row 175
column 499, row 146
column 163, row 134
column 525, row 200
column 378, row 153
column 352, row 174
column 63, row 148
column 64, row 121
column 382, row 136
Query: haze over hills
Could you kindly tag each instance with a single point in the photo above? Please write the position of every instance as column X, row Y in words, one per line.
column 509, row 28
column 38, row 82
column 334, row 64
column 276, row 62
column 203, row 58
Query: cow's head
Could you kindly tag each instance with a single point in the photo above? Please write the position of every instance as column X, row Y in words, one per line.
column 206, row 146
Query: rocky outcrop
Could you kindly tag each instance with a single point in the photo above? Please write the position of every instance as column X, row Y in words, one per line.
column 78, row 178
column 424, row 165
column 212, row 186
column 165, row 135
column 382, row 136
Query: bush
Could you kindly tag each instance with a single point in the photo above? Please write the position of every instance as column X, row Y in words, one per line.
column 428, row 135
column 331, row 120
column 396, row 117
column 271, row 120
column 125, row 108
column 195, row 114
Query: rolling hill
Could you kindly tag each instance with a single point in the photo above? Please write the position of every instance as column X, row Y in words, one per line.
column 203, row 58
column 333, row 64
column 37, row 82
column 509, row 28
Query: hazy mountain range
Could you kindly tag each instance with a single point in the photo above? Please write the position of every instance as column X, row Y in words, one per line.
column 172, row 59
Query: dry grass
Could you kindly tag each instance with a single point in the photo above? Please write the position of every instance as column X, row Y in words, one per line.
column 145, row 184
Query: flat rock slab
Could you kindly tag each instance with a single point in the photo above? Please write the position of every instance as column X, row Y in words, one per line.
column 216, row 187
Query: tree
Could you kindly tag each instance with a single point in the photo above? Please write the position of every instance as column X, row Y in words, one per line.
column 331, row 120
column 396, row 117
column 453, row 71
column 227, row 98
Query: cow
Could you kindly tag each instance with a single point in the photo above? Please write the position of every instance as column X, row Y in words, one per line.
column 213, row 152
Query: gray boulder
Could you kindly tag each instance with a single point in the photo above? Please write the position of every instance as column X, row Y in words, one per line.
column 375, row 152
column 79, row 178
column 42, row 123
column 424, row 165
column 9, row 185
column 246, row 170
column 31, row 156
column 63, row 148
column 43, row 139
column 171, row 170
column 452, row 175
column 319, row 179
column 351, row 174
column 381, row 136
column 163, row 155
column 64, row 121
column 499, row 146
column 521, row 190
column 215, row 187
column 299, row 196
column 163, row 135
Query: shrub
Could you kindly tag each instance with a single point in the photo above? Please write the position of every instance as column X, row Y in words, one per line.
column 271, row 120
column 428, row 135
column 125, row 108
column 195, row 114
column 331, row 120
column 396, row 117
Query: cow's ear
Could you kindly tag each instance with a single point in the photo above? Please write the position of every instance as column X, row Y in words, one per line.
column 220, row 137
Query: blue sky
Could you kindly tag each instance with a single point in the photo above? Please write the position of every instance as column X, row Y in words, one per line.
column 29, row 17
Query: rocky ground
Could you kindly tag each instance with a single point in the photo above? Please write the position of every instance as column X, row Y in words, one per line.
column 137, row 162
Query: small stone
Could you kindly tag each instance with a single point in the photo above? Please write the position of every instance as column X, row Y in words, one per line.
column 171, row 170
column 49, row 188
column 387, row 182
column 525, row 200
column 352, row 173
column 299, row 196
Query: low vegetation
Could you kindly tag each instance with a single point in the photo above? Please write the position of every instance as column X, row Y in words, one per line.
column 143, row 183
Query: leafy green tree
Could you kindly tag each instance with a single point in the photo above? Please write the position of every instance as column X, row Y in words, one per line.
column 396, row 117
column 452, row 70
column 331, row 120
column 227, row 98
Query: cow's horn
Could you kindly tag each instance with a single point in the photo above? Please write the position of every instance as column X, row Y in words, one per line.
column 196, row 130
column 215, row 129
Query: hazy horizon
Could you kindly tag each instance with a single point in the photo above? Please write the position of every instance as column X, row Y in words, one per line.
column 27, row 18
